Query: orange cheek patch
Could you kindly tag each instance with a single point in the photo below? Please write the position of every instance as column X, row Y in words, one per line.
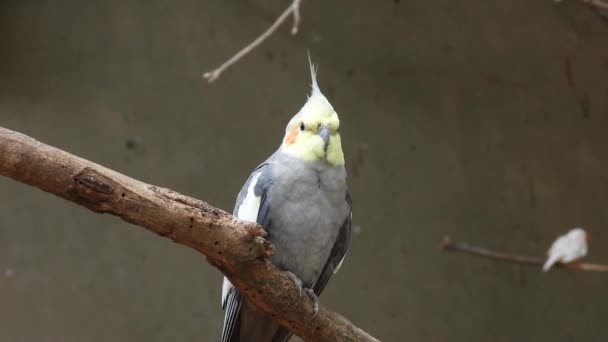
column 291, row 137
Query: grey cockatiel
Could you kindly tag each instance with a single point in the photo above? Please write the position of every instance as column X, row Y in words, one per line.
column 299, row 195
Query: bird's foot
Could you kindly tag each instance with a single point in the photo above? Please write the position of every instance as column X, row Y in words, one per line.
column 315, row 302
column 297, row 282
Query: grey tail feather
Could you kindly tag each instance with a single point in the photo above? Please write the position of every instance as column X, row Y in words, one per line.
column 232, row 324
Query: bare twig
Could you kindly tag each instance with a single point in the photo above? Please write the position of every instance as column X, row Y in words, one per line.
column 236, row 248
column 599, row 5
column 293, row 9
column 452, row 246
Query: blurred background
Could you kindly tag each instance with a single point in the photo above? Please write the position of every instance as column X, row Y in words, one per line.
column 486, row 122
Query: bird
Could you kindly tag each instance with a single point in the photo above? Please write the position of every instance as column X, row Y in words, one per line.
column 300, row 196
column 567, row 248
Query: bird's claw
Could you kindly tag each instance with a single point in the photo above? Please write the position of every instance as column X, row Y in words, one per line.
column 297, row 282
column 315, row 302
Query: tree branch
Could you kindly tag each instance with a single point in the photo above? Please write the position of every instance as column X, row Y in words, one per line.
column 293, row 9
column 599, row 5
column 235, row 247
column 448, row 245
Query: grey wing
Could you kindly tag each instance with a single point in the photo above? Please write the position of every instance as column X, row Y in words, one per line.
column 252, row 204
column 338, row 252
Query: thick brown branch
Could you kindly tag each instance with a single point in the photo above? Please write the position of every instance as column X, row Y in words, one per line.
column 235, row 247
column 451, row 246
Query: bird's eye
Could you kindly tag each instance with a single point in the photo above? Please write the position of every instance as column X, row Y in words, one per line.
column 302, row 127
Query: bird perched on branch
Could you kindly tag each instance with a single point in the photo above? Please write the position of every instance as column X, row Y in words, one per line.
column 299, row 195
column 567, row 248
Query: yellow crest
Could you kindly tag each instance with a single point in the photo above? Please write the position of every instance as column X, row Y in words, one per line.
column 313, row 133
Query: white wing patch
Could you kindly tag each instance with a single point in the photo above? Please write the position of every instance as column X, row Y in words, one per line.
column 226, row 286
column 248, row 211
column 249, row 208
column 340, row 264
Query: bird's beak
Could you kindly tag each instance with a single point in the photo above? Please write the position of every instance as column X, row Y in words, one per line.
column 324, row 133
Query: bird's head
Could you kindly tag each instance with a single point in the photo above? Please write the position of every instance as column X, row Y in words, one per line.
column 579, row 234
column 312, row 134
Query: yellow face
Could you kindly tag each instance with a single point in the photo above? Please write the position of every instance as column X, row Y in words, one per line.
column 312, row 134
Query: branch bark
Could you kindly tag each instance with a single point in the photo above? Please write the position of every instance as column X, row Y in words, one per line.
column 235, row 247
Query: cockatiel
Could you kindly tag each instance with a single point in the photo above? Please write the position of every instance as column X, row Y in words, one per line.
column 567, row 248
column 300, row 196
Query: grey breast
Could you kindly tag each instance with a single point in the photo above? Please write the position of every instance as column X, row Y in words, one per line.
column 308, row 208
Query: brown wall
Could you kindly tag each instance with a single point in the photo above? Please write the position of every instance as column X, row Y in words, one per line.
column 459, row 116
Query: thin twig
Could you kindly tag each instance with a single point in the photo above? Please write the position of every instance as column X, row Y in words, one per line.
column 296, row 16
column 452, row 246
column 600, row 6
column 597, row 4
column 293, row 9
